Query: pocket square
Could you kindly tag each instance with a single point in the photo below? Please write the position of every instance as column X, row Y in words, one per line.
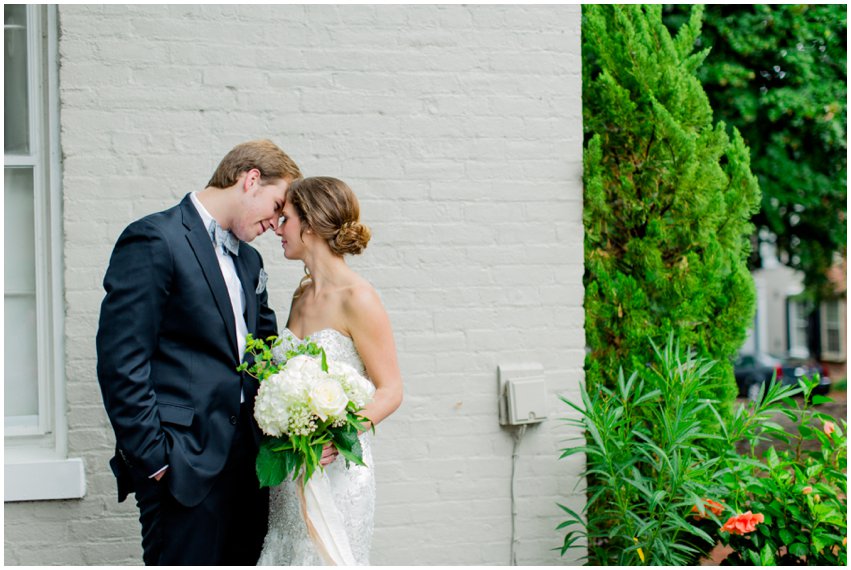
column 261, row 281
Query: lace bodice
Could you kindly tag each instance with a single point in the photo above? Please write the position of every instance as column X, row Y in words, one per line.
column 337, row 347
column 287, row 542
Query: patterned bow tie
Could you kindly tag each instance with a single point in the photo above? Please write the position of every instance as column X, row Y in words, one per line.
column 224, row 239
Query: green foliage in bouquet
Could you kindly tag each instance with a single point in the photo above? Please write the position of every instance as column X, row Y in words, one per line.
column 668, row 198
column 296, row 454
column 664, row 488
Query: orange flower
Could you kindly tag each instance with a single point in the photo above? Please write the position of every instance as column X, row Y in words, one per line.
column 829, row 428
column 807, row 490
column 708, row 505
column 743, row 524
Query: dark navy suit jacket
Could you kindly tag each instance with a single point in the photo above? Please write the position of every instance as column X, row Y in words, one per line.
column 167, row 351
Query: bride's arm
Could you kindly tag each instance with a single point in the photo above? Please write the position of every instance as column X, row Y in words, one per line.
column 370, row 328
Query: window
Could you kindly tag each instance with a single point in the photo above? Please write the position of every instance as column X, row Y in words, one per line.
column 832, row 330
column 798, row 328
column 33, row 387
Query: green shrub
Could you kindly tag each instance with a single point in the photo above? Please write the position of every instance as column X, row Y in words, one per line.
column 662, row 483
column 668, row 198
column 799, row 489
column 648, row 459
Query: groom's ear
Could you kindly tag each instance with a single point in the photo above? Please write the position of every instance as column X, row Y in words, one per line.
column 250, row 179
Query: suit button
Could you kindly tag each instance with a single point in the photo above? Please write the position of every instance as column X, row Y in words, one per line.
column 233, row 420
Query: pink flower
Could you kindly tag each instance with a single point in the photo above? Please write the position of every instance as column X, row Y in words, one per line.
column 807, row 490
column 829, row 428
column 708, row 505
column 743, row 524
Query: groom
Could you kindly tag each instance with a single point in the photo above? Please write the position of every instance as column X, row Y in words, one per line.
column 183, row 289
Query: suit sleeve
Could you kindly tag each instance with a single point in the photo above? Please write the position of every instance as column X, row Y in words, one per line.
column 137, row 284
column 267, row 324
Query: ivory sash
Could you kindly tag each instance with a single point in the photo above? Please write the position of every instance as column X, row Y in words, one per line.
column 324, row 523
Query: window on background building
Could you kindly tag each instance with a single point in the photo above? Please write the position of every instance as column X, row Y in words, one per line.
column 832, row 334
column 33, row 375
column 798, row 328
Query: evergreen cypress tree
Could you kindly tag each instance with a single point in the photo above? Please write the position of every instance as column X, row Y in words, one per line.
column 668, row 199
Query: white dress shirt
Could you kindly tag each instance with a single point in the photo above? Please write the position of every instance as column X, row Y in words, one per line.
column 235, row 291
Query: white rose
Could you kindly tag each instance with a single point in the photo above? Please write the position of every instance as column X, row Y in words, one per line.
column 327, row 399
column 302, row 366
column 358, row 389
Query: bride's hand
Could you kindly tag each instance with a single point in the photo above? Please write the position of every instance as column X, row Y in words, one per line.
column 329, row 454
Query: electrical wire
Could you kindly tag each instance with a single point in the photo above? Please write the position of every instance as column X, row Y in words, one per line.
column 514, row 455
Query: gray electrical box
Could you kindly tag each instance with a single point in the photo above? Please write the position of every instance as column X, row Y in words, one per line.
column 522, row 394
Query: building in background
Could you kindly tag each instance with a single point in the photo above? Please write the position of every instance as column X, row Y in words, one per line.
column 459, row 127
column 786, row 326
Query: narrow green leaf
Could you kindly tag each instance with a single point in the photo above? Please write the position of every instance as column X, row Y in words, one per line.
column 819, row 399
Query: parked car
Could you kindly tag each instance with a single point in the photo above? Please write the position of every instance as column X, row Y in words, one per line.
column 754, row 370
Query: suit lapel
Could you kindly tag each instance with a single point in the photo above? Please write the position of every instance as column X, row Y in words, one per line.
column 250, row 296
column 202, row 246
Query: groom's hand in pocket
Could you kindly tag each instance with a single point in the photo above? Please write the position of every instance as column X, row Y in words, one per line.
column 329, row 454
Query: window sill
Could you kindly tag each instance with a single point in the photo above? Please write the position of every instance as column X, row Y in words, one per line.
column 44, row 480
column 833, row 357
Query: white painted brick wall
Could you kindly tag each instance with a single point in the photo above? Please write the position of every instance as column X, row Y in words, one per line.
column 459, row 127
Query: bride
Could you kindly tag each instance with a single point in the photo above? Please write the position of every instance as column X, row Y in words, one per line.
column 340, row 311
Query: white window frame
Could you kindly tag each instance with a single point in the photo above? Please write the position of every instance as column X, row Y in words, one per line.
column 36, row 466
column 798, row 345
column 826, row 353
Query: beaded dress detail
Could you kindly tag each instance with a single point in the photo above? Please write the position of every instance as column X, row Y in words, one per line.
column 287, row 542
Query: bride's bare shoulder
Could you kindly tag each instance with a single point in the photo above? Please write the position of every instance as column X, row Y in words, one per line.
column 361, row 298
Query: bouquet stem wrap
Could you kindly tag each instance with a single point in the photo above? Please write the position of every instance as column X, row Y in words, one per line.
column 324, row 523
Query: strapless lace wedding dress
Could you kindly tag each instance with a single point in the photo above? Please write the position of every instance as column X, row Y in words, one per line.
column 287, row 541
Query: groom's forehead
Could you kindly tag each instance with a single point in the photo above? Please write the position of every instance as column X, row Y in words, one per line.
column 276, row 187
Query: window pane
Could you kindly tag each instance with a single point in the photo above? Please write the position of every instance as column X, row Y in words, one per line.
column 18, row 231
column 15, row 106
column 20, row 386
column 798, row 329
column 20, row 380
column 833, row 344
column 832, row 313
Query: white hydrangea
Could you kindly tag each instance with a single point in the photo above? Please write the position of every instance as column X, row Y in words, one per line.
column 358, row 389
column 300, row 394
column 281, row 395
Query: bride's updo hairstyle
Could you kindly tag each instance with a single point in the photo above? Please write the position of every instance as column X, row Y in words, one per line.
column 329, row 207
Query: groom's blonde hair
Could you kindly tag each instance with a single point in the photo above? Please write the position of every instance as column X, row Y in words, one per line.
column 264, row 155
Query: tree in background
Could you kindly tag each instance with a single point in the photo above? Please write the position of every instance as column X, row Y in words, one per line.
column 778, row 74
column 668, row 198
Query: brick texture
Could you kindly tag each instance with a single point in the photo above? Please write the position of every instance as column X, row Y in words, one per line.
column 459, row 127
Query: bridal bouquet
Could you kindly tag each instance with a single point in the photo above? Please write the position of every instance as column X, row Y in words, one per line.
column 304, row 402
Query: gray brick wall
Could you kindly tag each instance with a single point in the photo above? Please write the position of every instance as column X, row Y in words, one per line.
column 459, row 127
